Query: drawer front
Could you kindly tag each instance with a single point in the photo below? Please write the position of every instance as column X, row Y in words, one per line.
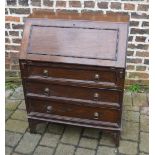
column 73, row 92
column 71, row 110
column 113, row 77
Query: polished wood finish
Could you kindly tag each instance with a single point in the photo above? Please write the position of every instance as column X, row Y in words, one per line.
column 110, row 77
column 72, row 110
column 73, row 92
column 84, row 16
column 73, row 69
column 101, row 43
column 48, row 41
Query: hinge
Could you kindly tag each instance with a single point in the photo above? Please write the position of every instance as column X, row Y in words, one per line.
column 29, row 62
column 23, row 65
column 121, row 74
column 112, row 68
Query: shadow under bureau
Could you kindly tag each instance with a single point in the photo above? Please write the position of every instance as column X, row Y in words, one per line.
column 73, row 69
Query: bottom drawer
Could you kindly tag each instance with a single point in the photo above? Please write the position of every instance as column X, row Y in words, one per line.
column 72, row 110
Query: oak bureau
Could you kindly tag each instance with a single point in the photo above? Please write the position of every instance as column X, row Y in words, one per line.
column 73, row 69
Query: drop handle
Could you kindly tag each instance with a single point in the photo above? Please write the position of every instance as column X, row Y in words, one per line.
column 45, row 73
column 97, row 76
column 96, row 115
column 49, row 109
column 96, row 96
column 46, row 91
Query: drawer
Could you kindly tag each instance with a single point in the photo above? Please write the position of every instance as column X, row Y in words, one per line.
column 110, row 76
column 72, row 110
column 74, row 92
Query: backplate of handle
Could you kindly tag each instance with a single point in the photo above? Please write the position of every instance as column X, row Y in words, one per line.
column 45, row 73
column 96, row 96
column 49, row 109
column 96, row 115
column 46, row 91
column 97, row 77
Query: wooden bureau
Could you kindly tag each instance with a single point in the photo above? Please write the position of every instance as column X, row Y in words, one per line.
column 73, row 69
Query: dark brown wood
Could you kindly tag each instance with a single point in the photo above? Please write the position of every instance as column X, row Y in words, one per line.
column 74, row 121
column 81, row 102
column 33, row 125
column 80, row 43
column 101, row 43
column 84, row 16
column 75, row 92
column 73, row 69
column 73, row 110
column 110, row 77
column 117, row 138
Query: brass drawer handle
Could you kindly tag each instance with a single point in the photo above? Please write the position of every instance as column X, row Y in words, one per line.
column 46, row 91
column 96, row 115
column 97, row 76
column 45, row 73
column 96, row 96
column 49, row 109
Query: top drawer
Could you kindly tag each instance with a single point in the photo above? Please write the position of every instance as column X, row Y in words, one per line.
column 100, row 75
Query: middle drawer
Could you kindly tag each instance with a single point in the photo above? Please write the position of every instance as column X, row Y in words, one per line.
column 73, row 92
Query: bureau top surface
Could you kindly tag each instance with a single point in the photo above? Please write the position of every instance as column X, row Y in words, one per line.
column 88, row 39
column 78, row 16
